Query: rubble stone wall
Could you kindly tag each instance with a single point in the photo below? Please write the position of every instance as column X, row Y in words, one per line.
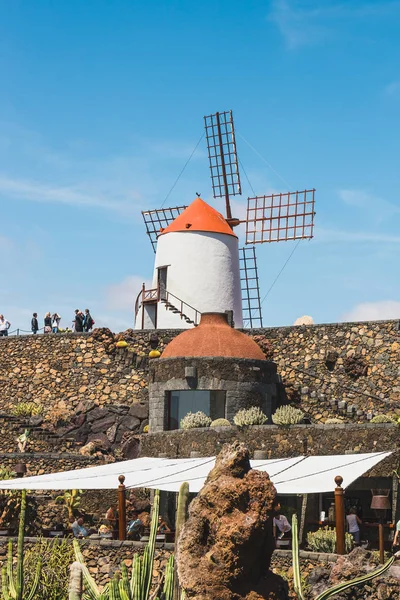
column 351, row 370
column 281, row 441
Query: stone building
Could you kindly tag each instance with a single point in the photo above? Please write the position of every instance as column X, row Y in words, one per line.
column 214, row 369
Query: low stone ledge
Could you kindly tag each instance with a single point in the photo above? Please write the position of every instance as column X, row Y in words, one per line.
column 306, row 554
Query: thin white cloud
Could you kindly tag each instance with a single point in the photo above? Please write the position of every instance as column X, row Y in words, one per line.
column 6, row 244
column 393, row 89
column 380, row 207
column 334, row 235
column 122, row 296
column 39, row 192
column 302, row 23
column 373, row 311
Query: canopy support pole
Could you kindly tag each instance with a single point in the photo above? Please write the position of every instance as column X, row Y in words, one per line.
column 339, row 511
column 121, row 509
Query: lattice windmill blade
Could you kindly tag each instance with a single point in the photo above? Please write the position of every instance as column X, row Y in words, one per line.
column 251, row 302
column 280, row 217
column 158, row 219
column 224, row 167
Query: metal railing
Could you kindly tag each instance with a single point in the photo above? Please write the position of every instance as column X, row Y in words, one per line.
column 183, row 306
column 152, row 295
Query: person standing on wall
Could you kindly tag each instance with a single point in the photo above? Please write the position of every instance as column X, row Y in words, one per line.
column 78, row 321
column 34, row 324
column 55, row 322
column 47, row 323
column 87, row 321
column 4, row 326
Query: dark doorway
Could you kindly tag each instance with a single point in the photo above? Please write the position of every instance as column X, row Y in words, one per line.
column 162, row 281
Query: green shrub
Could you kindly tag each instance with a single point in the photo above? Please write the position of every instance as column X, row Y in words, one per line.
column 324, row 540
column 287, row 415
column 194, row 420
column 334, row 421
column 382, row 419
column 220, row 423
column 250, row 416
column 27, row 409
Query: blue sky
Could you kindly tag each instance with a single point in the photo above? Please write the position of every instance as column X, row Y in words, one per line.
column 101, row 104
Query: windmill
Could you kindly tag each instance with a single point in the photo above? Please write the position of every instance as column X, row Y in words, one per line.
column 269, row 218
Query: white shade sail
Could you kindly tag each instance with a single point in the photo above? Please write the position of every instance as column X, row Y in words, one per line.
column 298, row 475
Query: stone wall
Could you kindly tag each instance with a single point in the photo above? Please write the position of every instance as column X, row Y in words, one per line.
column 87, row 389
column 350, row 369
column 281, row 441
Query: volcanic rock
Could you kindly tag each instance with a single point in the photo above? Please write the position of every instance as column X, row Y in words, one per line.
column 225, row 547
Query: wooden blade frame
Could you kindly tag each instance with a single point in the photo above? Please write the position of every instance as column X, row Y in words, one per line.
column 280, row 217
column 251, row 302
column 159, row 219
column 224, row 168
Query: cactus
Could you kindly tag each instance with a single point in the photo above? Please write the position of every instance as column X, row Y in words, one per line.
column 71, row 499
column 120, row 588
column 75, row 589
column 220, row 423
column 295, row 558
column 287, row 415
column 13, row 588
column 181, row 515
column 250, row 416
column 341, row 587
column 383, row 419
column 193, row 420
column 336, row 589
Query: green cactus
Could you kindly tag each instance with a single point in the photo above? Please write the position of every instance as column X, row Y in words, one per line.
column 13, row 587
column 181, row 516
column 336, row 589
column 120, row 588
column 295, row 558
column 75, row 588
column 341, row 587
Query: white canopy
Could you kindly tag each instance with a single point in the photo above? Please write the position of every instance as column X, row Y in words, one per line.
column 299, row 475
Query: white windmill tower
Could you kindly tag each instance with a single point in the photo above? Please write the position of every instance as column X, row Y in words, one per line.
column 199, row 266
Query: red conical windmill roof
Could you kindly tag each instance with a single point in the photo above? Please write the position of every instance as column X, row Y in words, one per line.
column 199, row 216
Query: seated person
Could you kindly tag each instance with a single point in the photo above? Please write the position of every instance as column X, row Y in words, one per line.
column 135, row 527
column 78, row 529
column 162, row 525
column 105, row 531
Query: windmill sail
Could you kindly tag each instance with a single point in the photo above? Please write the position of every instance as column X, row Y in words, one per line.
column 224, row 167
column 280, row 217
column 252, row 314
column 158, row 219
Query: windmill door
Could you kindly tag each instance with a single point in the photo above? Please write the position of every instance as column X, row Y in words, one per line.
column 162, row 282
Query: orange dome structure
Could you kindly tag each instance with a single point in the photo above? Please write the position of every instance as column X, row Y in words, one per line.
column 213, row 338
column 199, row 216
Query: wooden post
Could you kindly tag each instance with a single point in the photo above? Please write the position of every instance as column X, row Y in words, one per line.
column 381, row 542
column 339, row 512
column 121, row 509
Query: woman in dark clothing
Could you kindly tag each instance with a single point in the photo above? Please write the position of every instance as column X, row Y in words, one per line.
column 47, row 323
column 78, row 321
column 87, row 321
column 34, row 323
